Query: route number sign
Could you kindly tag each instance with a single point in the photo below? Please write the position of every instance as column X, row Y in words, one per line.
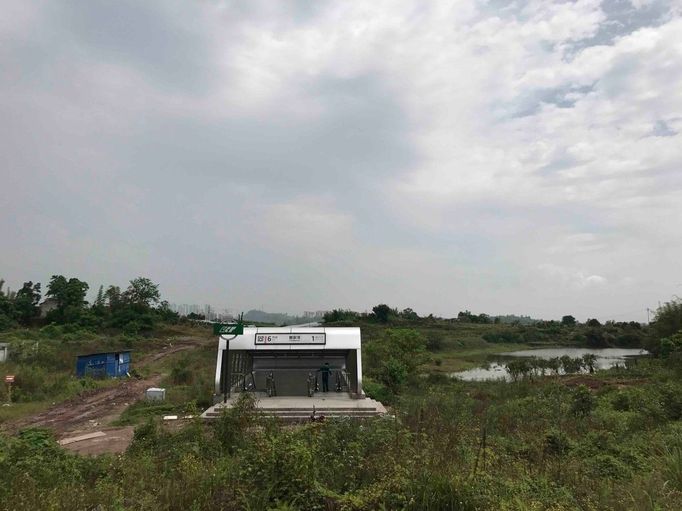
column 9, row 378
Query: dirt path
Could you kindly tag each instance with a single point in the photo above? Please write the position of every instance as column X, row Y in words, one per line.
column 94, row 410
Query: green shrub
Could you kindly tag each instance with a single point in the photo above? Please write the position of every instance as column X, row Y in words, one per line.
column 181, row 374
column 378, row 391
column 671, row 400
column 504, row 336
column 583, row 402
column 607, row 466
column 621, row 401
column 557, row 443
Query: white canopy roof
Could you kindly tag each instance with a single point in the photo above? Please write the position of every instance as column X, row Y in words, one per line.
column 294, row 338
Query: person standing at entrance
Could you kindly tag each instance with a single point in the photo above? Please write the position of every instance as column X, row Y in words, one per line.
column 325, row 370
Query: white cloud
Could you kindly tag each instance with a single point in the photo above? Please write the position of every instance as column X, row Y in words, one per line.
column 442, row 156
column 570, row 277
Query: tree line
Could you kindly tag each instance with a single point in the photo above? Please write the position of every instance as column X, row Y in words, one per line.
column 134, row 309
column 663, row 336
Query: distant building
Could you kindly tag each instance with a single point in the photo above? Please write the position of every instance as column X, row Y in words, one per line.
column 314, row 314
column 48, row 305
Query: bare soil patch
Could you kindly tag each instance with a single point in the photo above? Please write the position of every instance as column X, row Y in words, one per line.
column 94, row 410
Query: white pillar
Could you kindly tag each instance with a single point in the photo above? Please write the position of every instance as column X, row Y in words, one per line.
column 358, row 369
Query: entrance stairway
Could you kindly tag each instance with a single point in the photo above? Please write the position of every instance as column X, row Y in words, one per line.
column 305, row 409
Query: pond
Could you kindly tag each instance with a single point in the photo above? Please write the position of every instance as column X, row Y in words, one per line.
column 496, row 368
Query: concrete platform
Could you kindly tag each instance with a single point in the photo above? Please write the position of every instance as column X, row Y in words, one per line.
column 300, row 408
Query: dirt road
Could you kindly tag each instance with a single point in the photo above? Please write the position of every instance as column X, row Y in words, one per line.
column 94, row 410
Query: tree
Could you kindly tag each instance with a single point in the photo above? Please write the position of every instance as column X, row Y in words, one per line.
column 668, row 319
column 408, row 313
column 568, row 320
column 26, row 302
column 142, row 292
column 112, row 297
column 671, row 347
column 98, row 306
column 590, row 361
column 571, row 365
column 396, row 356
column 167, row 314
column 99, row 301
column 554, row 364
column 70, row 297
column 597, row 338
column 583, row 402
column 339, row 315
column 593, row 323
column 6, row 309
column 382, row 312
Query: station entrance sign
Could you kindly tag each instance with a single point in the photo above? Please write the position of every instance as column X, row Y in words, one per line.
column 290, row 338
column 229, row 329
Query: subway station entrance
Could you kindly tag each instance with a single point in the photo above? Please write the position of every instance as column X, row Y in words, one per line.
column 296, row 374
column 302, row 362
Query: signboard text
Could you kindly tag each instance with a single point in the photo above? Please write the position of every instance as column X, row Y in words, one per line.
column 292, row 338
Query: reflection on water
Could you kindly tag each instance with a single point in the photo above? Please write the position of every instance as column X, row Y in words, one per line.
column 497, row 370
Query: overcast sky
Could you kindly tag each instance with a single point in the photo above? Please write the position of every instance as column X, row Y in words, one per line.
column 502, row 157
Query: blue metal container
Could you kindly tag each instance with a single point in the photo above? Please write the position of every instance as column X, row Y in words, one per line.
column 103, row 365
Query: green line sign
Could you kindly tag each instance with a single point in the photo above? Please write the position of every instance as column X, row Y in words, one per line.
column 229, row 329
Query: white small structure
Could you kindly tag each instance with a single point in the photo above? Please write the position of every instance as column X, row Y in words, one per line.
column 290, row 361
column 155, row 394
column 4, row 351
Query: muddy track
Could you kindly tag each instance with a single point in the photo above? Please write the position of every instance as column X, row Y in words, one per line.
column 95, row 408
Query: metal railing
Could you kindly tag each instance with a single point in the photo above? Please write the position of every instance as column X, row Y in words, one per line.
column 341, row 381
column 246, row 381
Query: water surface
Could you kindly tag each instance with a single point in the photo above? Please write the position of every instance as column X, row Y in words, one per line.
column 496, row 369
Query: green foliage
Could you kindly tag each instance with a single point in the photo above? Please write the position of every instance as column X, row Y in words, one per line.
column 671, row 399
column 607, row 466
column 583, row 402
column 596, row 337
column 396, row 357
column 181, row 373
column 557, row 443
column 383, row 312
column 672, row 465
column 468, row 317
column 671, row 347
column 668, row 319
column 568, row 321
column 502, row 336
column 26, row 303
column 69, row 296
column 142, row 293
column 434, row 342
column 337, row 315
column 145, row 410
column 589, row 361
column 451, row 445
column 378, row 391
